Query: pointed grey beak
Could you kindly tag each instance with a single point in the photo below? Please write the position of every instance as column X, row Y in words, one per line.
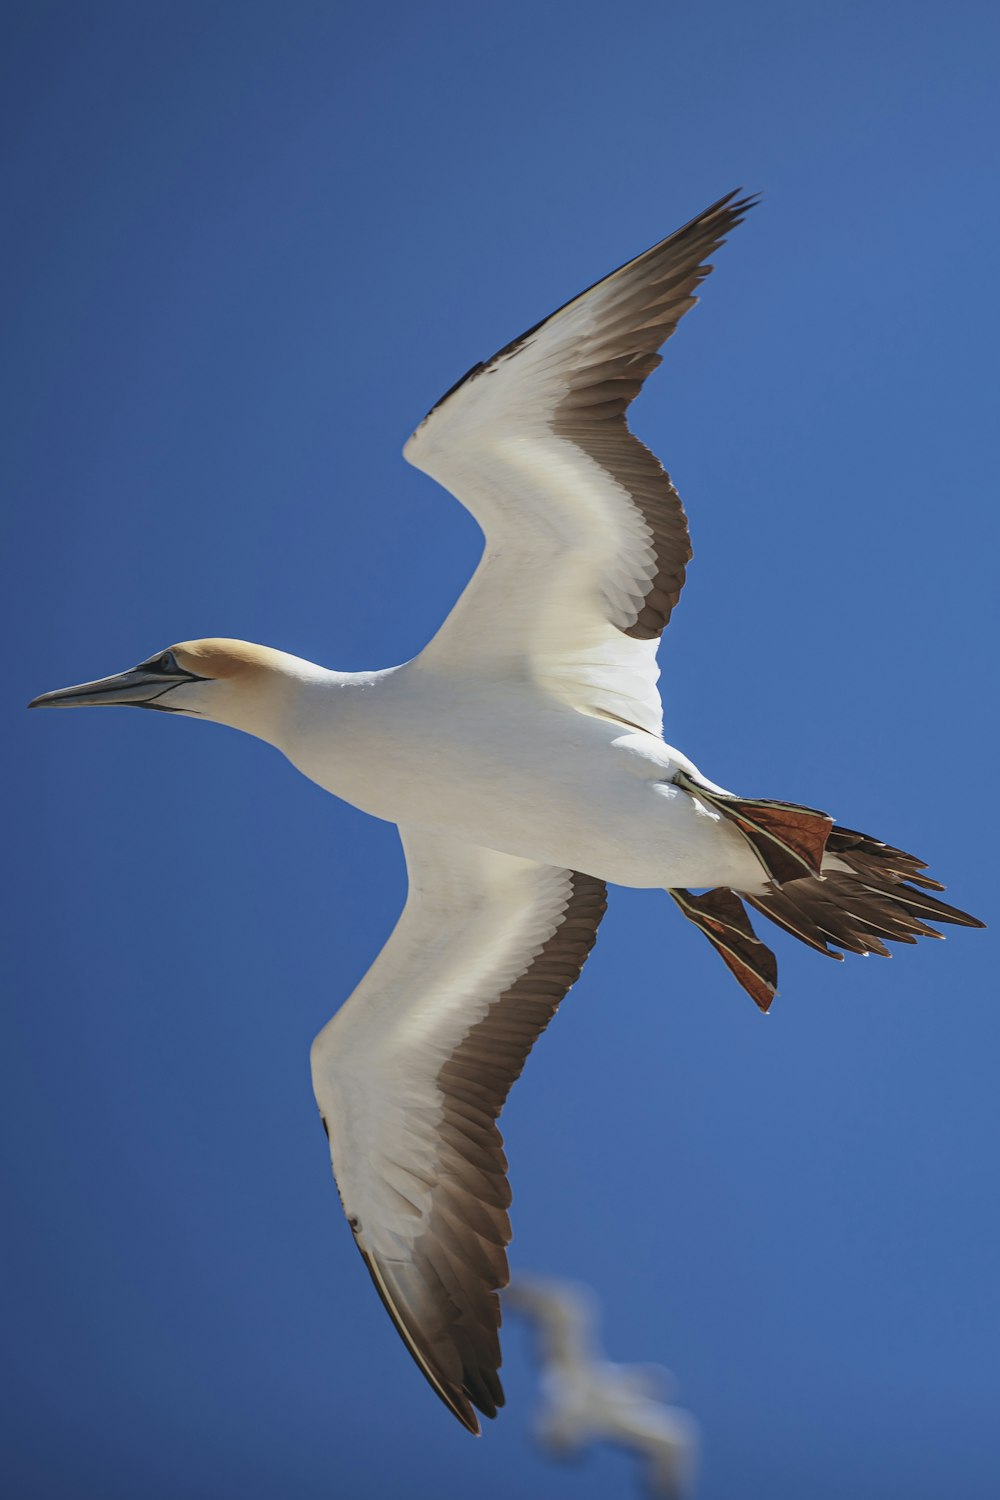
column 139, row 687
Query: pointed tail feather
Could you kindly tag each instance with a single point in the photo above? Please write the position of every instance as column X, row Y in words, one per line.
column 870, row 894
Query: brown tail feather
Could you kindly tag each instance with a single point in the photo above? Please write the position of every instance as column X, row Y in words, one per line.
column 861, row 908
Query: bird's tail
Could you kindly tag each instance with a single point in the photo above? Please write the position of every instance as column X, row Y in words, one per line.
column 868, row 894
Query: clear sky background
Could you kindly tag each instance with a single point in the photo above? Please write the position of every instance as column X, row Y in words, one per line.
column 247, row 246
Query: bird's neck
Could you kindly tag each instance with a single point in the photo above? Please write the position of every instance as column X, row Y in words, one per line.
column 289, row 700
column 264, row 697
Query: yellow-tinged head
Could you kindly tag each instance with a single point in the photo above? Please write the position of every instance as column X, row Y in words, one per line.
column 219, row 658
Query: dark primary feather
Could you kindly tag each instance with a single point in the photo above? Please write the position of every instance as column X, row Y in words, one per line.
column 651, row 295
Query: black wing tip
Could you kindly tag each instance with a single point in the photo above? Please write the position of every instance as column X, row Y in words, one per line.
column 721, row 216
column 458, row 1399
column 459, row 1406
column 460, row 1402
column 728, row 210
column 733, row 203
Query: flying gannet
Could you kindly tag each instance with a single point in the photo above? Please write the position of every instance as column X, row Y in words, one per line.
column 587, row 1399
column 521, row 755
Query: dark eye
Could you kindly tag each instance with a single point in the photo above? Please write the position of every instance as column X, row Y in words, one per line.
column 166, row 663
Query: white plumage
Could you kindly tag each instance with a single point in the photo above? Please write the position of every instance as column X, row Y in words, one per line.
column 587, row 1399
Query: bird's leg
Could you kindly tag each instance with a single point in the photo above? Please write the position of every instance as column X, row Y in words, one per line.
column 787, row 839
column 721, row 916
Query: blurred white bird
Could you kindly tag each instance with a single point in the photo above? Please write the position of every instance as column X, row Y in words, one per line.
column 587, row 1399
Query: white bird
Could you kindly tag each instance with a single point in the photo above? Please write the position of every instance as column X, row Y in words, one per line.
column 521, row 755
column 587, row 1399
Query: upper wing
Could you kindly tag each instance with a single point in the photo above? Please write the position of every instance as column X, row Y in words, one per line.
column 586, row 537
column 411, row 1074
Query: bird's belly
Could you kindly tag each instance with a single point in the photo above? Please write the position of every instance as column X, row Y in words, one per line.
column 629, row 833
column 579, row 804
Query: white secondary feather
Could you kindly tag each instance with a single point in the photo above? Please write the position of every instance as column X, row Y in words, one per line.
column 566, row 552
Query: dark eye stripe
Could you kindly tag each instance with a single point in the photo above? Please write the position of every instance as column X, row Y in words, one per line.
column 165, row 663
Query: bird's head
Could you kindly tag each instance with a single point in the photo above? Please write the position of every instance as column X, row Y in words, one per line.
column 226, row 681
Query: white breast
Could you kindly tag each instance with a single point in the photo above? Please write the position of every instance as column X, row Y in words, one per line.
column 513, row 770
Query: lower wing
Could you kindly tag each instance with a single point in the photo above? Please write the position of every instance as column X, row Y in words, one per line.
column 412, row 1073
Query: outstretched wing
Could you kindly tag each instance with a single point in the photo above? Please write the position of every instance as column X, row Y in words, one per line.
column 410, row 1077
column 586, row 538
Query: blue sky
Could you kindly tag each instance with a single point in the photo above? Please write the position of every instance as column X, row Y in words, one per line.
column 249, row 245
